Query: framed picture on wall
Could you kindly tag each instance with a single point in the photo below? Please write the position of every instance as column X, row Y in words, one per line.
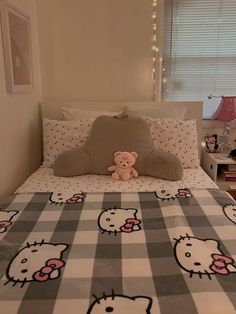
column 17, row 49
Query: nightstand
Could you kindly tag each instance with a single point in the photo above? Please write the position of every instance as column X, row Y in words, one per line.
column 214, row 165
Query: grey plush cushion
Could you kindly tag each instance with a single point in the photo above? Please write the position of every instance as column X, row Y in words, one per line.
column 111, row 134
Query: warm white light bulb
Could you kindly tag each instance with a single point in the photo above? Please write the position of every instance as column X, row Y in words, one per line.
column 164, row 80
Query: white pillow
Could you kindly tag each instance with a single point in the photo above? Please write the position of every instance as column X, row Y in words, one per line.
column 176, row 137
column 59, row 136
column 175, row 113
column 69, row 114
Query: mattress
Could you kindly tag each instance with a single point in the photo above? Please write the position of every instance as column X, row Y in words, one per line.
column 43, row 180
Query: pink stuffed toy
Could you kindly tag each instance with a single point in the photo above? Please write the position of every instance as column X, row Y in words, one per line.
column 123, row 166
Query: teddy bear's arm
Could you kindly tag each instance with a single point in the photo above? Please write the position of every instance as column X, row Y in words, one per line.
column 112, row 168
column 134, row 172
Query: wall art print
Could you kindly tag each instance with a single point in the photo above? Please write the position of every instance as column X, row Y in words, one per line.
column 17, row 49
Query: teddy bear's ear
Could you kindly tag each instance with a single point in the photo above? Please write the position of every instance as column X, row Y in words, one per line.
column 117, row 153
column 135, row 155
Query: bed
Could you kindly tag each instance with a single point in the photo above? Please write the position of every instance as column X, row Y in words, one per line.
column 169, row 249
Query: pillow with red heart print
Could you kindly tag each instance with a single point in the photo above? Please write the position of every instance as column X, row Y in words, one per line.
column 177, row 137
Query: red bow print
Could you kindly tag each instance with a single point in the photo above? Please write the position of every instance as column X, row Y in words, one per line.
column 129, row 225
column 220, row 263
column 4, row 224
column 183, row 193
column 75, row 198
column 44, row 273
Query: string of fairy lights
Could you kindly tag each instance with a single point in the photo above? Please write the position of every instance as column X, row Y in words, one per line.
column 155, row 48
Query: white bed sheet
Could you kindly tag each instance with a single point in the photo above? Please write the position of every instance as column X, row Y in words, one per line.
column 43, row 180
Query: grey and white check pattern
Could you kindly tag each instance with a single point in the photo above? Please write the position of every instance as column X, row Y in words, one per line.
column 99, row 264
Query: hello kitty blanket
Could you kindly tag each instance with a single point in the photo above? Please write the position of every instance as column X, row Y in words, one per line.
column 151, row 252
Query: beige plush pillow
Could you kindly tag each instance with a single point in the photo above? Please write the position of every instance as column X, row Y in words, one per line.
column 177, row 137
column 109, row 135
column 59, row 136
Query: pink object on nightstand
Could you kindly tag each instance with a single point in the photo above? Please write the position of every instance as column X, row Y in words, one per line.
column 227, row 109
column 226, row 112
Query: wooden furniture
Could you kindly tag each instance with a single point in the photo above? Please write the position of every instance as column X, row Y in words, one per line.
column 214, row 165
column 232, row 190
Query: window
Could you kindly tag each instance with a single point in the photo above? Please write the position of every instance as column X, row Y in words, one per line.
column 199, row 51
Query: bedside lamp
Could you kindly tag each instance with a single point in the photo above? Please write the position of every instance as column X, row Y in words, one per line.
column 226, row 112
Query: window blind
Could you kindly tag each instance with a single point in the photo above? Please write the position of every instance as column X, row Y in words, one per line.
column 199, row 51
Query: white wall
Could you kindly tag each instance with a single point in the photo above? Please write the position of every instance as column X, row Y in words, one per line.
column 20, row 151
column 96, row 50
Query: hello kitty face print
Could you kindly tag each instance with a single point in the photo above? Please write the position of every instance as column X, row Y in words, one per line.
column 165, row 194
column 121, row 304
column 6, row 219
column 40, row 262
column 230, row 212
column 202, row 257
column 60, row 198
column 119, row 220
column 171, row 194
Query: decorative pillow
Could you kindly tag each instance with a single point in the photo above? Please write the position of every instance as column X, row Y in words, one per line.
column 59, row 136
column 176, row 137
column 175, row 113
column 111, row 134
column 69, row 114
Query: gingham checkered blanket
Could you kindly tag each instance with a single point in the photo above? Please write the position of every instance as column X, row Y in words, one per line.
column 150, row 252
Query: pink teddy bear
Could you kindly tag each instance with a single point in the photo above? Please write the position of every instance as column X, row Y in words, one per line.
column 123, row 166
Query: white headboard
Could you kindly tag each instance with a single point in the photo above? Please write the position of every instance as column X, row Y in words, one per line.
column 52, row 109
